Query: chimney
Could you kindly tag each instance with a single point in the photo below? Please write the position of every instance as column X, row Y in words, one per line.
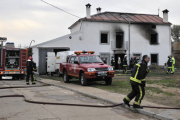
column 165, row 15
column 98, row 10
column 88, row 10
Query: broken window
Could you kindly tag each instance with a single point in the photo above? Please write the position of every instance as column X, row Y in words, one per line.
column 104, row 37
column 119, row 39
column 154, row 59
column 153, row 26
column 154, row 39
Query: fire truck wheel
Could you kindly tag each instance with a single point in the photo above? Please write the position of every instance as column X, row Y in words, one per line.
column 65, row 77
column 83, row 79
column 108, row 81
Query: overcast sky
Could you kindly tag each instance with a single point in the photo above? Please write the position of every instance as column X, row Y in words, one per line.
column 24, row 20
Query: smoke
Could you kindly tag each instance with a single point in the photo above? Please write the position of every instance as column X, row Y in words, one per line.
column 146, row 31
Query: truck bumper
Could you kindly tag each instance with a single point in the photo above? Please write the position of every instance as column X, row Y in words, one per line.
column 100, row 74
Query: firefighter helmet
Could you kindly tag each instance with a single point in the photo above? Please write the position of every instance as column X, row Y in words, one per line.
column 30, row 57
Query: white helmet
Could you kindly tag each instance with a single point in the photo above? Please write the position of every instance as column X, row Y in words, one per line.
column 125, row 55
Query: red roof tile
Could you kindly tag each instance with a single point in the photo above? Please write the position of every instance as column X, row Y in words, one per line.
column 125, row 17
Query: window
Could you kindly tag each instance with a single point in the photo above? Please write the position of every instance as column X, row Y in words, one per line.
column 154, row 39
column 72, row 59
column 154, row 59
column 76, row 59
column 153, row 26
column 119, row 39
column 104, row 37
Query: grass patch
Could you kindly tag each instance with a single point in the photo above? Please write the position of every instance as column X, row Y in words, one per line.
column 165, row 82
column 154, row 90
column 51, row 77
column 116, row 86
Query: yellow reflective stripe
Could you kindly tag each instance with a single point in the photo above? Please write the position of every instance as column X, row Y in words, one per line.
column 140, row 94
column 136, row 103
column 138, row 65
column 137, row 70
column 124, row 65
column 128, row 99
column 135, row 80
column 143, row 80
column 169, row 67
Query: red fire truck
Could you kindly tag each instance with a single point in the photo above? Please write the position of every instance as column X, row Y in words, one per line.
column 86, row 66
column 12, row 61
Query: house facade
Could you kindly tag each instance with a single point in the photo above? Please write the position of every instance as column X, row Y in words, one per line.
column 112, row 34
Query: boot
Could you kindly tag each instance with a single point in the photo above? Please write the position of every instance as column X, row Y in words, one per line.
column 126, row 102
column 137, row 106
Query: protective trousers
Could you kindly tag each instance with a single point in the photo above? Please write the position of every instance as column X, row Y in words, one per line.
column 169, row 70
column 32, row 77
column 173, row 68
column 138, row 91
column 125, row 69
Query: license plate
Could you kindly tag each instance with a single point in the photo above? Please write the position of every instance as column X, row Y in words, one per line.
column 102, row 72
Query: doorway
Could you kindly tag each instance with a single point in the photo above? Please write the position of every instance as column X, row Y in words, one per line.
column 116, row 61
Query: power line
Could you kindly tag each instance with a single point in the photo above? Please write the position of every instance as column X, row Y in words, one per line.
column 59, row 9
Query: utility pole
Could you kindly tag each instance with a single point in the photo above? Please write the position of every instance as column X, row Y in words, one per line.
column 2, row 39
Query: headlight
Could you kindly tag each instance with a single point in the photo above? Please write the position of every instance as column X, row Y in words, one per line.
column 110, row 68
column 91, row 69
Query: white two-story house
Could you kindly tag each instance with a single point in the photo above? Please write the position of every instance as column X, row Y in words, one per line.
column 114, row 34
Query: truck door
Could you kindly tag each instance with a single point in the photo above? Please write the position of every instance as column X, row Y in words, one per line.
column 75, row 67
column 70, row 66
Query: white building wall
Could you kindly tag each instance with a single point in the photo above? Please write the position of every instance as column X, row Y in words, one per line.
column 92, row 32
column 140, row 41
column 35, row 55
column 76, row 28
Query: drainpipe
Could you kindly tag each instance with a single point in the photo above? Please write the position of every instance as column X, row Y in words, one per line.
column 1, row 52
column 129, row 38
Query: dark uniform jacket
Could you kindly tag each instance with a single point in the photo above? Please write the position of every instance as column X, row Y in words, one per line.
column 169, row 63
column 139, row 74
column 29, row 66
column 124, row 62
column 112, row 62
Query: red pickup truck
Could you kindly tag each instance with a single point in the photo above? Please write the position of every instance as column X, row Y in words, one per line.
column 86, row 66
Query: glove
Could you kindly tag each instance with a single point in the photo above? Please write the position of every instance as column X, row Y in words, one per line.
column 148, row 71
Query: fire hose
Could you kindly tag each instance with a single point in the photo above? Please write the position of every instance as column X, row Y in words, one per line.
column 67, row 104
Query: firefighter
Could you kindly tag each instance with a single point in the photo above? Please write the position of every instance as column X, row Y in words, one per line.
column 119, row 63
column 138, row 82
column 173, row 64
column 125, row 64
column 135, row 60
column 131, row 64
column 113, row 62
column 29, row 71
column 170, row 64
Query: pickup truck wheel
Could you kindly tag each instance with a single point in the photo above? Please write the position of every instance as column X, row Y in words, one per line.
column 83, row 79
column 65, row 77
column 108, row 81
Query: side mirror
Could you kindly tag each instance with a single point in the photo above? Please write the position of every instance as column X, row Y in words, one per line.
column 76, row 62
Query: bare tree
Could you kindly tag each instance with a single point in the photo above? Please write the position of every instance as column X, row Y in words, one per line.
column 175, row 33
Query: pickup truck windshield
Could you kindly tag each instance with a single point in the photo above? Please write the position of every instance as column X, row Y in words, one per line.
column 90, row 59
